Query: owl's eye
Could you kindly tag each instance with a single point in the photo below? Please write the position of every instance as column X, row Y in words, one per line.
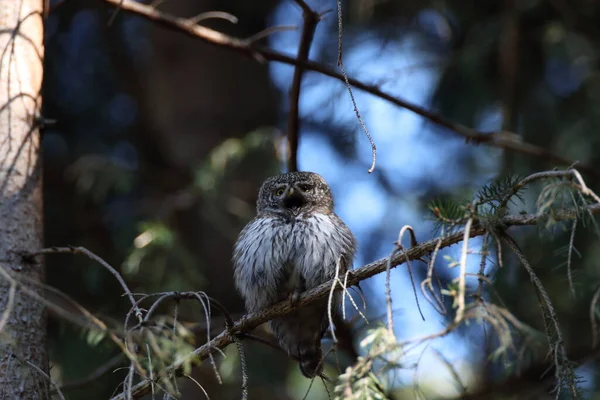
column 279, row 192
column 305, row 188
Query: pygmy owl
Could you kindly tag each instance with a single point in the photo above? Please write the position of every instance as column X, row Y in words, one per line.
column 293, row 244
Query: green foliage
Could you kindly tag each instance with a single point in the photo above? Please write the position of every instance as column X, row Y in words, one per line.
column 162, row 343
column 360, row 382
column 498, row 192
column 226, row 157
column 155, row 249
column 562, row 202
column 563, row 194
column 95, row 336
column 452, row 291
column 97, row 176
column 448, row 215
column 490, row 203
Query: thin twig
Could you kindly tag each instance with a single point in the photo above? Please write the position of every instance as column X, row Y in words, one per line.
column 330, row 300
column 388, row 291
column 453, row 371
column 481, row 276
column 150, row 368
column 107, row 266
column 207, row 314
column 593, row 319
column 569, row 257
column 584, row 189
column 427, row 283
column 555, row 339
column 212, row 15
column 199, row 385
column 345, row 292
column 340, row 64
column 45, row 375
column 269, row 31
column 243, row 366
column 460, row 311
column 129, row 382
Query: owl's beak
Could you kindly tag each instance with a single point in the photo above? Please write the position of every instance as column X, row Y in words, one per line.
column 293, row 199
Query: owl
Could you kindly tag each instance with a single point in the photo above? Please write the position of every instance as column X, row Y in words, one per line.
column 293, row 244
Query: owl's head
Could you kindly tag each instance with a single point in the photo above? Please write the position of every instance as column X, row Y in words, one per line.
column 295, row 192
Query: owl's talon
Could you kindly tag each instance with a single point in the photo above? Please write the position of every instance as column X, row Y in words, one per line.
column 294, row 297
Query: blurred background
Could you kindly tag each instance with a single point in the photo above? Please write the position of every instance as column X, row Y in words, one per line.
column 161, row 142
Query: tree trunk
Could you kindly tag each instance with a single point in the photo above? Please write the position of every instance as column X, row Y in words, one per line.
column 23, row 360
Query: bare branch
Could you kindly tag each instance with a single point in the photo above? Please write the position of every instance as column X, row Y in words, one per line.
column 330, row 304
column 455, row 376
column 427, row 283
column 388, row 290
column 46, row 376
column 563, row 373
column 311, row 19
column 463, row 272
column 569, row 257
column 502, row 139
column 99, row 260
column 214, row 14
column 199, row 385
column 340, row 63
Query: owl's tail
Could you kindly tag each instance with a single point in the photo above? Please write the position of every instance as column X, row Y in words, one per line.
column 299, row 334
column 310, row 359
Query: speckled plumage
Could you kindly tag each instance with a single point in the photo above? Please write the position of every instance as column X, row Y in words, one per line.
column 293, row 244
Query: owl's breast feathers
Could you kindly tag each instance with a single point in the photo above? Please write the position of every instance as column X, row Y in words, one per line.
column 273, row 255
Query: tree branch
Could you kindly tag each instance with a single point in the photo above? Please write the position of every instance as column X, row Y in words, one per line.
column 250, row 321
column 310, row 20
column 503, row 139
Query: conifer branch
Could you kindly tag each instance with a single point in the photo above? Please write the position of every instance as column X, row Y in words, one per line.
column 251, row 321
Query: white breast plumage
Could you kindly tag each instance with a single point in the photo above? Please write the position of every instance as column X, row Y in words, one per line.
column 274, row 251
